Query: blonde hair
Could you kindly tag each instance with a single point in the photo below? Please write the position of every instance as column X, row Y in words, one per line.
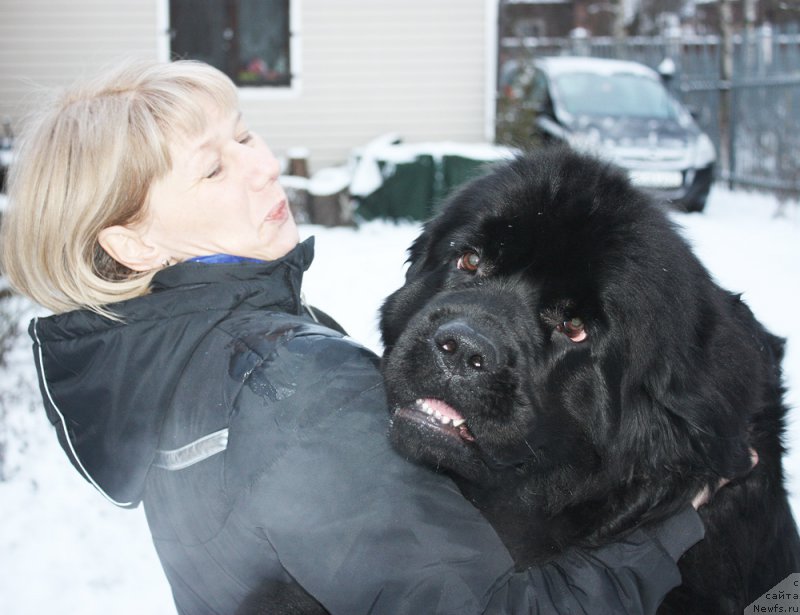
column 86, row 162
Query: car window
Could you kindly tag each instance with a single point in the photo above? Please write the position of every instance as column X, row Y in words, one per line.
column 620, row 95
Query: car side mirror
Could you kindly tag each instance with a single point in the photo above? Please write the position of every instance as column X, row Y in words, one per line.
column 667, row 69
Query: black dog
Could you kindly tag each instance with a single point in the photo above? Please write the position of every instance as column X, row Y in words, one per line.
column 559, row 350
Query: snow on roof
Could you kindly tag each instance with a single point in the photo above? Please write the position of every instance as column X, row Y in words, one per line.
column 576, row 64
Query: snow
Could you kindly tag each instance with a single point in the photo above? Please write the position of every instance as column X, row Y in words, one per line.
column 294, row 182
column 298, row 153
column 368, row 176
column 558, row 65
column 325, row 182
column 63, row 548
column 330, row 181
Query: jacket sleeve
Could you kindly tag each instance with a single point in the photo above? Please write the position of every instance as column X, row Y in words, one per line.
column 630, row 576
column 365, row 531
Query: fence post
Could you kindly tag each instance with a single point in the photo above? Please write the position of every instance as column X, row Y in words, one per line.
column 726, row 74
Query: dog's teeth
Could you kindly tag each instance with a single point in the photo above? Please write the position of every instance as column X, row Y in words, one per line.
column 437, row 416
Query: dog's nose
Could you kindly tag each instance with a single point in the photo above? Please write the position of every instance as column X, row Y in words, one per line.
column 462, row 346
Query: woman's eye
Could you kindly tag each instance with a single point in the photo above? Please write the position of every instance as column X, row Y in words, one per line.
column 469, row 261
column 245, row 139
column 574, row 329
column 217, row 170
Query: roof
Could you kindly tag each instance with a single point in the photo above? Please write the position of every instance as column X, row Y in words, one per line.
column 603, row 66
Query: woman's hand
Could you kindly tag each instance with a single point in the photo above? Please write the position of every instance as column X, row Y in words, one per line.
column 704, row 497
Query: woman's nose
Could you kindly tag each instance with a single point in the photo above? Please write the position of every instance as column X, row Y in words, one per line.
column 262, row 168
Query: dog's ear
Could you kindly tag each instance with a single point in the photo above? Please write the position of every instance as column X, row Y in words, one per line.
column 417, row 252
column 705, row 398
column 401, row 305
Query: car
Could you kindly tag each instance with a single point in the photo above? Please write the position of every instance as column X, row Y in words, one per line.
column 622, row 111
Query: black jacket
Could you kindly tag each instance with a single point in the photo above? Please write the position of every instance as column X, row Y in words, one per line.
column 256, row 439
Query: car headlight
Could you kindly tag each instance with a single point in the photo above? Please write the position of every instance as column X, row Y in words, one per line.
column 704, row 152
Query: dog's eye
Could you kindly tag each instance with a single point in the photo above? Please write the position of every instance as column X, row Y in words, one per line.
column 469, row 261
column 574, row 329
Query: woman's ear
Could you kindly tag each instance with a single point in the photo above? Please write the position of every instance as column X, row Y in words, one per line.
column 129, row 248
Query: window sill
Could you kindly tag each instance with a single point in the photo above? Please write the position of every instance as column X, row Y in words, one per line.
column 269, row 93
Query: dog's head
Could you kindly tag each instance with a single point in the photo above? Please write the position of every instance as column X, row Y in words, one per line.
column 555, row 328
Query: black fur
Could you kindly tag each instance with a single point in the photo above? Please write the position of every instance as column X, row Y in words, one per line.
column 578, row 442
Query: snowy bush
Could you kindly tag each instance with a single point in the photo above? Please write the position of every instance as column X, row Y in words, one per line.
column 8, row 324
column 17, row 399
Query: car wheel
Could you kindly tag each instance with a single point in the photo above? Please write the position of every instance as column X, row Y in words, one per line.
column 696, row 206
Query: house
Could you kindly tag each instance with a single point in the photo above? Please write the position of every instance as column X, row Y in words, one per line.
column 320, row 74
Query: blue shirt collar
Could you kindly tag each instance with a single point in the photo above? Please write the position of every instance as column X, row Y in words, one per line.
column 222, row 258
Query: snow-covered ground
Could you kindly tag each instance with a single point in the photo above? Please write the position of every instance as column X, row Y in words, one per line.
column 65, row 549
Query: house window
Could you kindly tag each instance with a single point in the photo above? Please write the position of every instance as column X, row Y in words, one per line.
column 249, row 40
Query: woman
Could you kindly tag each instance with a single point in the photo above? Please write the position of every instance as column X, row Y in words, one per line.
column 182, row 370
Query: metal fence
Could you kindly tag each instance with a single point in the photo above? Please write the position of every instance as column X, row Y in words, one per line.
column 764, row 93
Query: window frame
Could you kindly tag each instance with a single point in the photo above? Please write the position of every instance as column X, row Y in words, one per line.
column 250, row 92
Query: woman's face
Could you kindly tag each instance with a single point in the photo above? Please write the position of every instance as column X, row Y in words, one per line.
column 222, row 196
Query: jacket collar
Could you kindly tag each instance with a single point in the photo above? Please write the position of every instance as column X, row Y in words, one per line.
column 191, row 273
column 107, row 385
column 259, row 285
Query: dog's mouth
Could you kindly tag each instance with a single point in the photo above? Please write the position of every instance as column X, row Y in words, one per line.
column 438, row 415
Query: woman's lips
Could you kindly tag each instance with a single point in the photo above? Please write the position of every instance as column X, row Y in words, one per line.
column 279, row 213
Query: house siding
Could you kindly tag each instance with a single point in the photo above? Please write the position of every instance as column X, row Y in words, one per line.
column 49, row 43
column 415, row 67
